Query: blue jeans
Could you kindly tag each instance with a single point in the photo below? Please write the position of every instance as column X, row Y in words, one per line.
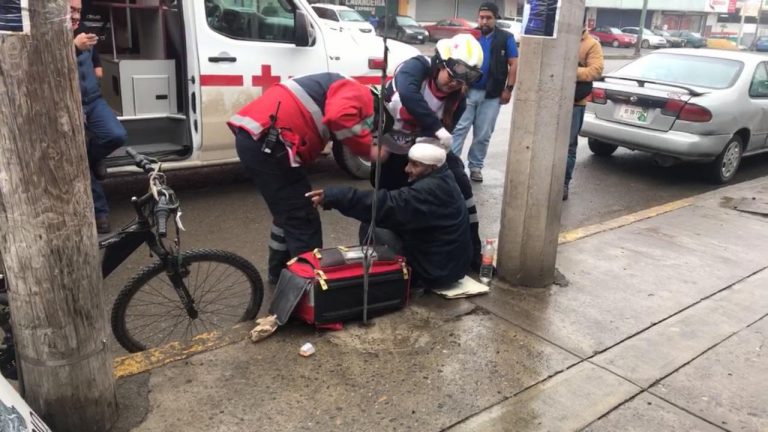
column 577, row 119
column 106, row 134
column 481, row 116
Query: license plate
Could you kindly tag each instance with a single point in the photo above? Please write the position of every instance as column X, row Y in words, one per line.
column 634, row 114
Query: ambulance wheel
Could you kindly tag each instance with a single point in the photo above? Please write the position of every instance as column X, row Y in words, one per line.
column 352, row 164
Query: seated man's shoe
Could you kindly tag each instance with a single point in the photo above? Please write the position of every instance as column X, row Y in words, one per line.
column 100, row 171
column 476, row 175
column 102, row 225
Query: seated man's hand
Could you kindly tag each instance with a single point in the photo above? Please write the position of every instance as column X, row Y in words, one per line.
column 317, row 197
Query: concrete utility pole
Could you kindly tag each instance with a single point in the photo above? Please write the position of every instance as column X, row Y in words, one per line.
column 47, row 232
column 643, row 14
column 543, row 104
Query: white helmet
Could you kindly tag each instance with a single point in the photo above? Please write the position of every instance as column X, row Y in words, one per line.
column 462, row 55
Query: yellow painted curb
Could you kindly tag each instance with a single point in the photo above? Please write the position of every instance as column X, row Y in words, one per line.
column 580, row 233
column 144, row 361
column 133, row 364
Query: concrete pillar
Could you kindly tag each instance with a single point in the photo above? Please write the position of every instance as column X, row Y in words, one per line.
column 543, row 104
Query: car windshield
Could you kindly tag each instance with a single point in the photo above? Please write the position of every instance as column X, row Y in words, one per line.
column 407, row 21
column 504, row 25
column 762, row 39
column 696, row 35
column 350, row 15
column 614, row 30
column 685, row 70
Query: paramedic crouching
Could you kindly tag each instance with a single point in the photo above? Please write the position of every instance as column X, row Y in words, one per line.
column 428, row 216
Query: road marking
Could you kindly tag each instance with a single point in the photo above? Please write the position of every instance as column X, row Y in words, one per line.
column 580, row 233
column 134, row 364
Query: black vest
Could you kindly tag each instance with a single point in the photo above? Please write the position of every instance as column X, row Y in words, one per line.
column 497, row 72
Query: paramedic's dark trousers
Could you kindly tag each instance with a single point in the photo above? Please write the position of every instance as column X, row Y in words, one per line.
column 295, row 223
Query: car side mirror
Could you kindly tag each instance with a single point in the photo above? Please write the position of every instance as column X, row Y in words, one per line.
column 304, row 33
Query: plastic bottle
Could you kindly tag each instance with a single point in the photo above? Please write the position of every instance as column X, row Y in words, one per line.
column 486, row 268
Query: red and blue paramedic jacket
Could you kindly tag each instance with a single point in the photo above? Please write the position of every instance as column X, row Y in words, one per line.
column 313, row 109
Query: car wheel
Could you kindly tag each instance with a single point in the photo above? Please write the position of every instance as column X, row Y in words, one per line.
column 352, row 164
column 601, row 148
column 724, row 168
column 645, row 44
column 615, row 43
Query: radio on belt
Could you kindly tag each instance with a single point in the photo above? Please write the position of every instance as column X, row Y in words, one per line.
column 273, row 133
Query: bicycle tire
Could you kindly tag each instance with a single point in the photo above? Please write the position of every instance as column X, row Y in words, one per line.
column 131, row 341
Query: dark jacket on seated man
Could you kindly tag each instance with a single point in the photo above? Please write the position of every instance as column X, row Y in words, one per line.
column 429, row 216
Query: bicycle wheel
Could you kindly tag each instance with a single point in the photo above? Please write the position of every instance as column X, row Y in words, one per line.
column 148, row 312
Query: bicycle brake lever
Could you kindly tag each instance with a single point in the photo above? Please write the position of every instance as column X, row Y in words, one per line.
column 178, row 220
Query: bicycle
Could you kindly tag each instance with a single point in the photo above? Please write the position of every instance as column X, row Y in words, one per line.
column 181, row 294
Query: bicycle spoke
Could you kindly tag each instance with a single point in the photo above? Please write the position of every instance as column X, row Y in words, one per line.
column 181, row 320
column 215, row 283
column 145, row 325
column 223, row 289
column 161, row 330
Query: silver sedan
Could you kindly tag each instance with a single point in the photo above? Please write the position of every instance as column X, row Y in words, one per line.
column 686, row 105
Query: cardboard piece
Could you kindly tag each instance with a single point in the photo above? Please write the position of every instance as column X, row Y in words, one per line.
column 466, row 287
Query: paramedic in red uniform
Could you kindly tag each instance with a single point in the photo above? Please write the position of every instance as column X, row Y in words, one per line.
column 308, row 111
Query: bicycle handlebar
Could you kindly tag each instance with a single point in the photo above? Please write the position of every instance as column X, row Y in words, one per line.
column 140, row 160
column 162, row 212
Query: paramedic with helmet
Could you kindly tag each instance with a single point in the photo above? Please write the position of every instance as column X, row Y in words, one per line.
column 426, row 98
column 284, row 130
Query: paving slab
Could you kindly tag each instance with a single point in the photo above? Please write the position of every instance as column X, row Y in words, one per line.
column 420, row 369
column 660, row 350
column 726, row 385
column 624, row 281
column 567, row 402
column 646, row 413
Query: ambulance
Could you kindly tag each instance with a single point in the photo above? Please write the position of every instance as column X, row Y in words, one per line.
column 176, row 70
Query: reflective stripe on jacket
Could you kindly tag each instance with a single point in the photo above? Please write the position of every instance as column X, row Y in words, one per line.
column 313, row 109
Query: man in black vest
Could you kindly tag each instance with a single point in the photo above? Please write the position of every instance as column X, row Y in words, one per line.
column 486, row 95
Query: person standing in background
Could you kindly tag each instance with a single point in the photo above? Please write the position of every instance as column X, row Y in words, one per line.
column 591, row 64
column 486, row 95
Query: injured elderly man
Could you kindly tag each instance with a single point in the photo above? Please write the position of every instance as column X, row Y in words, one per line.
column 425, row 221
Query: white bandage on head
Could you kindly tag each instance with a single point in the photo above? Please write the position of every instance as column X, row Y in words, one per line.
column 427, row 151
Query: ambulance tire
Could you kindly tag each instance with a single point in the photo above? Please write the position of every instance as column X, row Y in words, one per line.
column 352, row 164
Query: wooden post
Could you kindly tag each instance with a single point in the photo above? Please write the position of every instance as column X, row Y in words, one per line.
column 541, row 122
column 47, row 232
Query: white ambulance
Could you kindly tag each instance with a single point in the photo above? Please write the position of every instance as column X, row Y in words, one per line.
column 176, row 70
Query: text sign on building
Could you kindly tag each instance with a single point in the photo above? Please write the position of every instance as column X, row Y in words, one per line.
column 721, row 6
column 365, row 5
column 540, row 18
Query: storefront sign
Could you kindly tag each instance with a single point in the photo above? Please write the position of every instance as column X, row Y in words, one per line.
column 721, row 6
column 540, row 18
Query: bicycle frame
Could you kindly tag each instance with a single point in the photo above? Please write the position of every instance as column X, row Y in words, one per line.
column 118, row 247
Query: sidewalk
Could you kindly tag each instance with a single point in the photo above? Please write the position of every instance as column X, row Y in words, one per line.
column 662, row 327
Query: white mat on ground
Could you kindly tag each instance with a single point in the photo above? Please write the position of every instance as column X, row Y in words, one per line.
column 466, row 287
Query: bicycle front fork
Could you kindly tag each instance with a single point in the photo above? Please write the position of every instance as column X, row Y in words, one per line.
column 176, row 273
